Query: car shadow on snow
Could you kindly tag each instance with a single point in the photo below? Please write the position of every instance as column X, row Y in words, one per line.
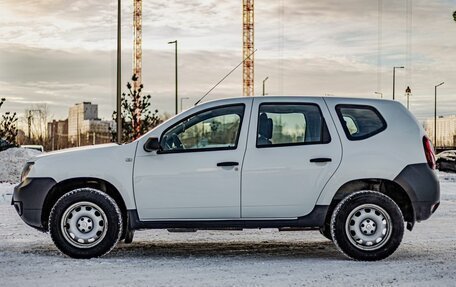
column 243, row 249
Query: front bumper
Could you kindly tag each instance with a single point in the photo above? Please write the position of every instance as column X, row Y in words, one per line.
column 29, row 197
column 423, row 188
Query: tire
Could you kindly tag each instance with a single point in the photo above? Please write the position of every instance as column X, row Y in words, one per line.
column 326, row 231
column 85, row 223
column 367, row 226
column 129, row 236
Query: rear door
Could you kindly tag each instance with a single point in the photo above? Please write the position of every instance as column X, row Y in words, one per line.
column 293, row 150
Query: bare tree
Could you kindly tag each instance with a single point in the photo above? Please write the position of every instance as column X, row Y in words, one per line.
column 36, row 119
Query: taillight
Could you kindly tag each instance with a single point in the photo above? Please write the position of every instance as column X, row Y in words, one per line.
column 429, row 152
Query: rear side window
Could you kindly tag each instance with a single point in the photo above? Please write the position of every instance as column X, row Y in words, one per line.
column 359, row 121
column 291, row 124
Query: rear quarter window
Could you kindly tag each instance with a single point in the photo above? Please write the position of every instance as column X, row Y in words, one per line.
column 360, row 121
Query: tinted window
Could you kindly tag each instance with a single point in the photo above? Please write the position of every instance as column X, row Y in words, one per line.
column 208, row 130
column 288, row 124
column 360, row 122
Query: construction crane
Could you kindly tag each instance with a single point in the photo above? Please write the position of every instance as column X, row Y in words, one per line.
column 248, row 47
column 137, row 57
column 137, row 41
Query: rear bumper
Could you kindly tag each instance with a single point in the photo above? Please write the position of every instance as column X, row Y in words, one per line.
column 423, row 188
column 28, row 200
column 424, row 210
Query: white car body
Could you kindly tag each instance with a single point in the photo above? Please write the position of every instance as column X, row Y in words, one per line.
column 269, row 187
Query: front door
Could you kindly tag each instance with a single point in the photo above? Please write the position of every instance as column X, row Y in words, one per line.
column 196, row 175
column 293, row 150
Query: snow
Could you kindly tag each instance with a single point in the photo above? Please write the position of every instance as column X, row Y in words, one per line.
column 6, row 191
column 12, row 161
column 427, row 256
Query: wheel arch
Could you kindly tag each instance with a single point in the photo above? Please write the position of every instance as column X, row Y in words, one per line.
column 384, row 186
column 65, row 186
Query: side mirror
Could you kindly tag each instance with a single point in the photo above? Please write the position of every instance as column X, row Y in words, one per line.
column 152, row 144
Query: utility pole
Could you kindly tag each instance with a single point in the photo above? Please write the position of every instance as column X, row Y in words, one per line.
column 119, row 63
column 175, row 71
column 435, row 113
column 394, row 79
column 77, row 129
column 53, row 135
column 29, row 122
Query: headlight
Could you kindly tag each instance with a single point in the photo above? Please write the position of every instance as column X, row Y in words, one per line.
column 26, row 170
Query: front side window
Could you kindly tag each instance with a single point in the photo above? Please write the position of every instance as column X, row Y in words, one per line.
column 291, row 124
column 207, row 130
column 359, row 121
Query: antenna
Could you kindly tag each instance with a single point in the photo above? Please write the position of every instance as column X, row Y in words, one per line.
column 226, row 76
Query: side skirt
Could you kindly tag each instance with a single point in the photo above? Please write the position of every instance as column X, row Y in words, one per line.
column 313, row 220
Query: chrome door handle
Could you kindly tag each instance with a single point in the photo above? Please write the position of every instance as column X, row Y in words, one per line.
column 321, row 159
column 228, row 163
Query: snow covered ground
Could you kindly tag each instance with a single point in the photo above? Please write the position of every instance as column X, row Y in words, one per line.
column 426, row 257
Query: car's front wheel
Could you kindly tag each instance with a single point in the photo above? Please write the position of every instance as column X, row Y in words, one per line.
column 85, row 223
column 367, row 225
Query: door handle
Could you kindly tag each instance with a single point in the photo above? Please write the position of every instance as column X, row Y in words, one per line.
column 321, row 159
column 228, row 163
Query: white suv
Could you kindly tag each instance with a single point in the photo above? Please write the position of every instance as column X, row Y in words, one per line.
column 356, row 169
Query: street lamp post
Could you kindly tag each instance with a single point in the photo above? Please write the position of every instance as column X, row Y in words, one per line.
column 378, row 93
column 175, row 58
column 264, row 85
column 182, row 101
column 435, row 113
column 394, row 79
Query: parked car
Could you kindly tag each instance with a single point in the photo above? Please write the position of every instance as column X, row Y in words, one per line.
column 446, row 161
column 4, row 145
column 34, row 147
column 355, row 169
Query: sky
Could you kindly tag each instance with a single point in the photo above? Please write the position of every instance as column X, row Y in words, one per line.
column 60, row 52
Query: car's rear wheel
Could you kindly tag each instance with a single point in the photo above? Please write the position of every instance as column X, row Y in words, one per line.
column 367, row 225
column 129, row 236
column 85, row 223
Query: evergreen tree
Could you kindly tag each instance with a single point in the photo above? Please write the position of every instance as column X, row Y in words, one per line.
column 8, row 125
column 132, row 125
